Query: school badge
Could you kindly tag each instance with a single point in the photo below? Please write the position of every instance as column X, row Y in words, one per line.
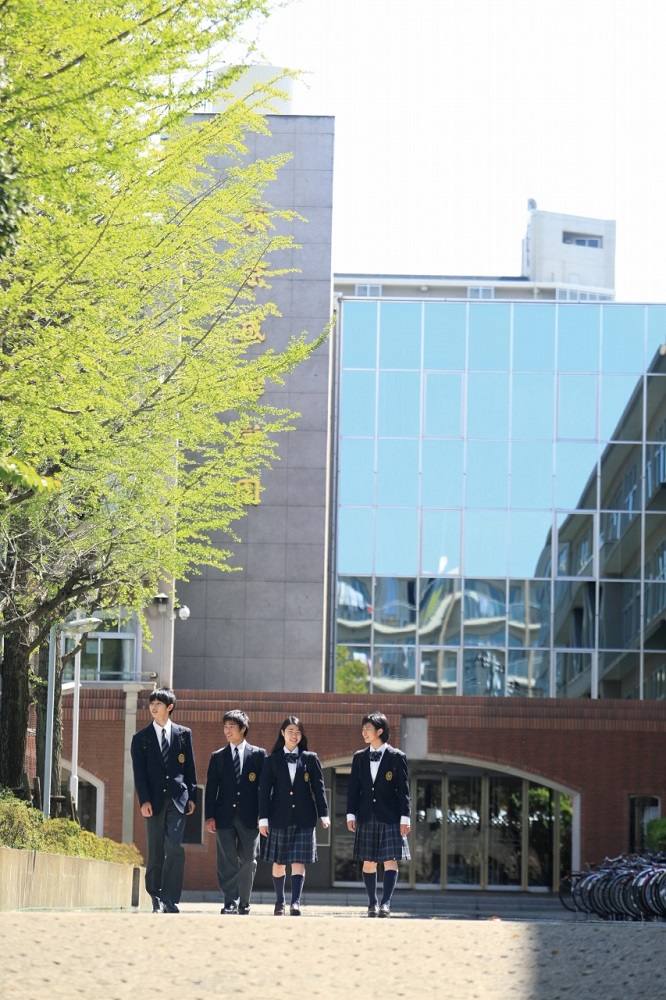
column 181, row 758
column 389, row 775
column 306, row 776
column 251, row 776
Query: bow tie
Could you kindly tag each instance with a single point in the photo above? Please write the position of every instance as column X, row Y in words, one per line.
column 375, row 755
column 291, row 758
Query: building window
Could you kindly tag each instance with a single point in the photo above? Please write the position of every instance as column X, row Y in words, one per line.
column 582, row 240
column 368, row 291
column 480, row 292
column 110, row 653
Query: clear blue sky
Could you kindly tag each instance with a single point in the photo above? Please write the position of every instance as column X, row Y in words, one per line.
column 450, row 114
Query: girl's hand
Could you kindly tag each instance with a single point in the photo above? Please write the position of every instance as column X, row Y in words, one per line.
column 263, row 830
column 325, row 822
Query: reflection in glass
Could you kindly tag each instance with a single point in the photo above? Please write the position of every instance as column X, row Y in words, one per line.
column 400, row 335
column 355, row 529
column 440, row 542
column 487, row 483
column 620, row 469
column 532, row 406
column 529, row 612
column 656, row 394
column 397, row 541
column 578, row 338
column 619, row 544
column 356, row 483
column 573, row 674
column 464, row 846
column 442, row 473
column 488, row 405
column 395, row 610
column 575, row 469
column 575, row 608
column 533, row 338
column 397, row 473
column 528, row 673
column 393, row 670
column 439, row 671
column 531, row 475
column 352, row 669
column 529, row 541
column 484, row 672
column 656, row 324
column 345, row 868
column 541, row 828
column 439, row 611
column 485, row 543
column 622, row 339
column 618, row 420
column 505, row 830
column 444, row 336
column 655, row 676
column 427, row 832
column 357, row 408
column 619, row 674
column 489, row 338
column 575, row 545
column 359, row 335
column 655, row 470
column 354, row 609
column 577, row 407
column 399, row 409
column 443, row 404
column 484, row 606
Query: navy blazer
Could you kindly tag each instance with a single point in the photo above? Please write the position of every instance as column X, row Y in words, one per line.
column 156, row 783
column 388, row 798
column 284, row 804
column 225, row 798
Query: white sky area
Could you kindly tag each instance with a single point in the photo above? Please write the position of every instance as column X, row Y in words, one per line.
column 450, row 114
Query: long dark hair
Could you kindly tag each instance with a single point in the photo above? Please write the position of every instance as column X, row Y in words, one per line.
column 291, row 720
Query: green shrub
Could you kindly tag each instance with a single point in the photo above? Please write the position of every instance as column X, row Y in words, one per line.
column 25, row 828
column 655, row 831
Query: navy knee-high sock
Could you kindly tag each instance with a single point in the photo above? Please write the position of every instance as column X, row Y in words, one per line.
column 297, row 887
column 278, row 884
column 370, row 879
column 390, row 880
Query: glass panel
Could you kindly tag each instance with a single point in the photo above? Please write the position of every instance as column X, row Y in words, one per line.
column 528, row 673
column 655, row 569
column 656, row 394
column 444, row 337
column 578, row 338
column 395, row 610
column 354, row 608
column 443, row 405
column 620, row 477
column 88, row 666
column 622, row 338
column 357, row 471
column 397, row 473
column 531, row 474
column 464, row 846
column 619, row 544
column 566, row 826
column 616, row 392
column 442, row 473
column 575, row 605
column 532, row 406
column 345, row 869
column 577, row 406
column 488, row 405
column 505, row 830
column 487, row 480
column 439, row 671
column 483, row 672
column 440, row 542
column 397, row 542
column 485, row 543
column 439, row 612
column 359, row 335
column 533, row 338
column 573, row 675
column 357, row 407
column 655, row 471
column 400, row 335
column 540, row 836
column 117, row 659
column 529, row 612
column 399, row 404
column 575, row 541
column 393, row 670
column 355, row 531
column 529, row 541
column 656, row 324
column 489, row 333
column 352, row 669
column 619, row 674
column 485, row 612
column 427, row 832
column 642, row 809
column 655, row 676
column 575, row 469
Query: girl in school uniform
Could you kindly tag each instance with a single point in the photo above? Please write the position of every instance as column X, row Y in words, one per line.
column 291, row 796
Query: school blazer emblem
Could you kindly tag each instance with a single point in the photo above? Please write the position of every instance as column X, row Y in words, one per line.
column 251, row 776
column 306, row 776
column 181, row 758
column 389, row 775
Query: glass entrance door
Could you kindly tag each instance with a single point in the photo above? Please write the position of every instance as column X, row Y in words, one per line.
column 464, row 841
column 428, row 832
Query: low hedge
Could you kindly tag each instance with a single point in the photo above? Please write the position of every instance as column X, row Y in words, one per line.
column 25, row 828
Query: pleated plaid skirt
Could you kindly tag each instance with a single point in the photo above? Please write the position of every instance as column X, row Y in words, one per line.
column 375, row 841
column 286, row 845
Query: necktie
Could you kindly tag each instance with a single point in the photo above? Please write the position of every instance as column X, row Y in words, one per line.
column 237, row 767
column 165, row 748
column 375, row 755
column 291, row 758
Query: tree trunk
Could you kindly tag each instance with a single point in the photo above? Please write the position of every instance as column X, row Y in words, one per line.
column 14, row 706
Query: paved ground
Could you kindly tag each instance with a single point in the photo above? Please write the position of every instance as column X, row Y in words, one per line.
column 333, row 952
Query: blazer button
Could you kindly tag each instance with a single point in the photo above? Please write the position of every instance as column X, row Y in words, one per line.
column 293, row 805
column 291, row 792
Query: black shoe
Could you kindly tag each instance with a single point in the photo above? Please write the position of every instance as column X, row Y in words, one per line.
column 279, row 910
column 158, row 906
column 229, row 908
column 243, row 911
column 384, row 910
column 373, row 910
column 295, row 910
column 169, row 907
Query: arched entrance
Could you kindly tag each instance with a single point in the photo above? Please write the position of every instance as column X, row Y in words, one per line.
column 473, row 827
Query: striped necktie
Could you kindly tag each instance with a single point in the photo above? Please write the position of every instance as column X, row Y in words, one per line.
column 237, row 767
column 165, row 748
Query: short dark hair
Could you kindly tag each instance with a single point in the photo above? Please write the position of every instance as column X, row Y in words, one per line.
column 291, row 720
column 238, row 716
column 165, row 695
column 379, row 721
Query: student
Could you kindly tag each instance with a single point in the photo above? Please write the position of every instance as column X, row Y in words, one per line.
column 291, row 796
column 232, row 811
column 165, row 779
column 378, row 810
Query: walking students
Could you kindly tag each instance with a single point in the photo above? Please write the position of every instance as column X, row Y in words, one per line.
column 291, row 796
column 378, row 810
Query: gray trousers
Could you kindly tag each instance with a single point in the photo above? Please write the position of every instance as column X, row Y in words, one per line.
column 165, row 864
column 237, row 850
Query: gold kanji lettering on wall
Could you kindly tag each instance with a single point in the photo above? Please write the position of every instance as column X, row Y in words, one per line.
column 257, row 278
column 249, row 490
column 252, row 330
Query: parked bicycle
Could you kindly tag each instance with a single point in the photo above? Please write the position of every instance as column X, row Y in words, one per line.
column 628, row 887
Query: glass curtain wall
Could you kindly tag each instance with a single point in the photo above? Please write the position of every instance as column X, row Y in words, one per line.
column 501, row 489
